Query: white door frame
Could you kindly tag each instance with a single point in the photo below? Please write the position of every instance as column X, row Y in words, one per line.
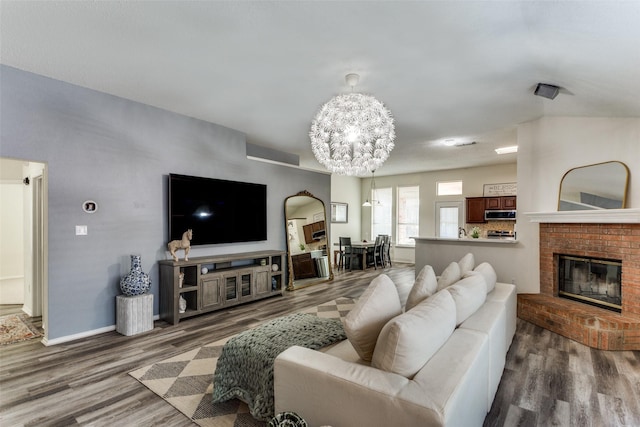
column 449, row 204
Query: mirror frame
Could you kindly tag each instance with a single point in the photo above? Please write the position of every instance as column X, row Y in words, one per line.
column 624, row 190
column 290, row 280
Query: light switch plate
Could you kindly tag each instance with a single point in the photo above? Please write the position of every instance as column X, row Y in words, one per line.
column 81, row 230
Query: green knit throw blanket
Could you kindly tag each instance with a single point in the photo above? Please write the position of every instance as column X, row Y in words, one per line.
column 245, row 367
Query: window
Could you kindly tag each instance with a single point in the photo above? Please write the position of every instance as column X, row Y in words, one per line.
column 381, row 204
column 448, row 219
column 408, row 215
column 449, row 188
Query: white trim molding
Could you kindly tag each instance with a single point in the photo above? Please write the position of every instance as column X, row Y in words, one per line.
column 601, row 216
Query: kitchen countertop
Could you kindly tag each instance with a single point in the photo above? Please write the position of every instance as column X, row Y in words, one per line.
column 481, row 240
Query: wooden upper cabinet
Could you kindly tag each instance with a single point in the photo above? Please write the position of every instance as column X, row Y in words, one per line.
column 309, row 229
column 492, row 203
column 509, row 202
column 475, row 210
column 318, row 226
column 500, row 203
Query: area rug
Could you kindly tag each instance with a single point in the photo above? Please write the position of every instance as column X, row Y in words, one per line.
column 15, row 328
column 185, row 381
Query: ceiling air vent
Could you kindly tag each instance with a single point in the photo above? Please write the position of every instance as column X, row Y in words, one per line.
column 465, row 144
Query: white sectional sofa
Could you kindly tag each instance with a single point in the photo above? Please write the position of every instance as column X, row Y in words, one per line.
column 428, row 355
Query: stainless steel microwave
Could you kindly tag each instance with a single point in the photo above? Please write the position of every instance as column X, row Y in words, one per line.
column 500, row 215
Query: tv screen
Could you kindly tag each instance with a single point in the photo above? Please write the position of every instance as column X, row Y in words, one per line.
column 217, row 211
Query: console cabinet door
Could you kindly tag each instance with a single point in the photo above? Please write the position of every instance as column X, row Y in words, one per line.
column 263, row 280
column 211, row 291
column 245, row 282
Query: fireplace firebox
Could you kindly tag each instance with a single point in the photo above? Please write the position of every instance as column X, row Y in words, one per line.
column 591, row 280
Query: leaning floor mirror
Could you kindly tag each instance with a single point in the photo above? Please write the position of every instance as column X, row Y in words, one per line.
column 307, row 241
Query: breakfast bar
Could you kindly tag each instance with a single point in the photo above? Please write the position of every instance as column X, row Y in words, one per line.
column 439, row 251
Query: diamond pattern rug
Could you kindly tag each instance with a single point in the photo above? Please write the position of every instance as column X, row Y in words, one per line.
column 15, row 328
column 185, row 381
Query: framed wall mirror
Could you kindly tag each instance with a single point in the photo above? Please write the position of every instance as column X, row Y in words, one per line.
column 598, row 186
column 307, row 237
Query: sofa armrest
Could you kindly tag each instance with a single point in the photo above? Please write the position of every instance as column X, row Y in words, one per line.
column 326, row 390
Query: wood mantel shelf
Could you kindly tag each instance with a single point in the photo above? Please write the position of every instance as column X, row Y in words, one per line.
column 599, row 216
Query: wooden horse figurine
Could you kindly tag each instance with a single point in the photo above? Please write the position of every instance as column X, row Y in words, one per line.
column 185, row 244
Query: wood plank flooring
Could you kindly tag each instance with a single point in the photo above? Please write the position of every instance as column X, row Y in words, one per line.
column 548, row 380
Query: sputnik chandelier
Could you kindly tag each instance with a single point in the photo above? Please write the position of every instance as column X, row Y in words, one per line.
column 353, row 133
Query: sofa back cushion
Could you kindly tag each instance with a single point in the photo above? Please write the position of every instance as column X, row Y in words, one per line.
column 468, row 294
column 449, row 276
column 489, row 274
column 424, row 286
column 404, row 289
column 378, row 304
column 408, row 341
column 466, row 263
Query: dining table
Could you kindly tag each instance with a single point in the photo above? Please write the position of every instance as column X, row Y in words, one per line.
column 362, row 247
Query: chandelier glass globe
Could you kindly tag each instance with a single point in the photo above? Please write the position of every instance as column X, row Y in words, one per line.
column 352, row 134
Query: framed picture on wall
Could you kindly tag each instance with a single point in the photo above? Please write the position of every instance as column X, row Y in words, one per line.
column 339, row 212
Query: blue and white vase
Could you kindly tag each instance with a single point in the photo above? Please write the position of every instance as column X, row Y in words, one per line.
column 137, row 282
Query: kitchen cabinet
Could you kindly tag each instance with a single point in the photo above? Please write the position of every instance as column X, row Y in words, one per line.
column 475, row 210
column 500, row 203
column 304, row 267
column 309, row 229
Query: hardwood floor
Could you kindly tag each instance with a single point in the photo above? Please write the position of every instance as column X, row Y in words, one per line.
column 548, row 380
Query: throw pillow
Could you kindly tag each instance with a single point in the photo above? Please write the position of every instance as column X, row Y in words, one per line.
column 466, row 263
column 408, row 341
column 489, row 274
column 404, row 288
column 449, row 276
column 469, row 294
column 424, row 286
column 378, row 304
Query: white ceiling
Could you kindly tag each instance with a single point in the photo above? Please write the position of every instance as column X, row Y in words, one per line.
column 452, row 69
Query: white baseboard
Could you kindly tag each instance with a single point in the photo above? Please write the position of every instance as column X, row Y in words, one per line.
column 86, row 334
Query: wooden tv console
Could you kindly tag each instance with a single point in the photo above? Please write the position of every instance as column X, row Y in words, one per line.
column 215, row 282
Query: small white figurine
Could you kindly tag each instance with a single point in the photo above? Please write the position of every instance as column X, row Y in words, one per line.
column 185, row 244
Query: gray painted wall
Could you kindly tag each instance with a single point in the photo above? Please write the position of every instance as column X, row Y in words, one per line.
column 119, row 153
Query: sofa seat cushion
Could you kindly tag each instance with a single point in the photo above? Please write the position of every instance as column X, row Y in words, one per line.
column 343, row 350
column 424, row 286
column 505, row 293
column 378, row 304
column 468, row 294
column 408, row 341
column 491, row 319
column 455, row 380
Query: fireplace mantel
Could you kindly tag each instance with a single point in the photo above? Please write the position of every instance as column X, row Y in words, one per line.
column 600, row 216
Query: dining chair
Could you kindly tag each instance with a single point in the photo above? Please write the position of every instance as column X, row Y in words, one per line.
column 378, row 253
column 346, row 253
column 386, row 251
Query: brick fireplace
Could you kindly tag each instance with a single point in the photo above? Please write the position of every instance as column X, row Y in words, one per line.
column 592, row 326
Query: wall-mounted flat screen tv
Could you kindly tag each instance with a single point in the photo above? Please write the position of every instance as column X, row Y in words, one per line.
column 218, row 211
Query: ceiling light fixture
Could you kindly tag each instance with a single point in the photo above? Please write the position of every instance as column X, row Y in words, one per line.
column 507, row 150
column 372, row 192
column 449, row 142
column 353, row 133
